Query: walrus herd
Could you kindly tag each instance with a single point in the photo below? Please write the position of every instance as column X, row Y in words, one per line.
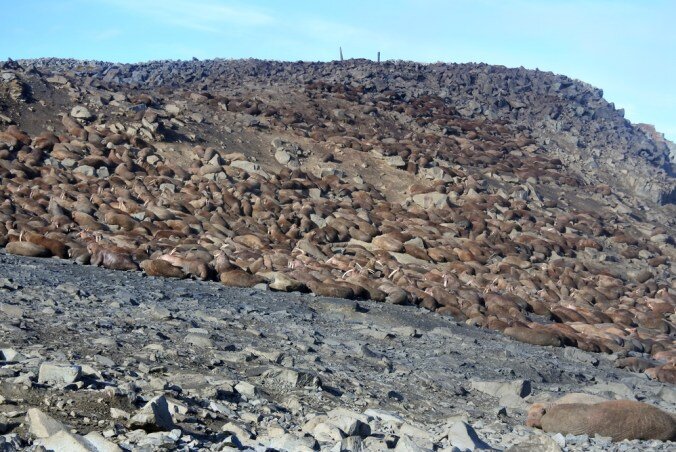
column 491, row 229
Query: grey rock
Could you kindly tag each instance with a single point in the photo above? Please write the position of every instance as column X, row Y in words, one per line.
column 80, row 112
column 154, row 416
column 42, row 425
column 59, row 373
column 463, row 436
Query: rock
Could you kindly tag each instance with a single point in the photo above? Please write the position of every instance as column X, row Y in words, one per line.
column 249, row 167
column 614, row 389
column 198, row 340
column 154, row 416
column 80, row 112
column 10, row 355
column 292, row 443
column 282, row 157
column 579, row 355
column 57, row 80
column 395, row 161
column 172, row 109
column 41, row 425
column 384, row 416
column 66, row 441
column 325, row 433
column 246, row 389
column 59, row 373
column 510, row 394
column 539, row 443
column 463, row 436
column 86, row 170
column 350, row 422
column 293, row 378
column 116, row 413
column 431, row 200
column 409, row 444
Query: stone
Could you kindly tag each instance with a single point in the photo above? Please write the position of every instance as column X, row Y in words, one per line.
column 409, row 444
column 172, row 109
column 293, row 443
column 326, row 432
column 116, row 413
column 41, row 425
column 350, row 422
column 463, row 436
column 198, row 340
column 431, row 200
column 282, row 157
column 384, row 416
column 249, row 167
column 536, row 443
column 67, row 441
column 86, row 170
column 80, row 112
column 510, row 394
column 580, row 355
column 236, row 430
column 59, row 373
column 293, row 378
column 395, row 161
column 154, row 416
column 246, row 389
column 10, row 355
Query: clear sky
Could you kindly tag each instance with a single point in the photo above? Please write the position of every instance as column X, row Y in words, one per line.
column 625, row 47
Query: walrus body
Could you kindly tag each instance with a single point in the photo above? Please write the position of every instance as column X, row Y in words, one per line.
column 110, row 259
column 617, row 419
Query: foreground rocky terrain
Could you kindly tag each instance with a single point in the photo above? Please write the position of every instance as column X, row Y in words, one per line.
column 501, row 199
column 228, row 368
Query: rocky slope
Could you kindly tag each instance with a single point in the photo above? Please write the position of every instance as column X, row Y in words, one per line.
column 568, row 117
column 505, row 199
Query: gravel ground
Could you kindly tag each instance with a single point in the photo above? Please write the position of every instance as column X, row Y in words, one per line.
column 248, row 368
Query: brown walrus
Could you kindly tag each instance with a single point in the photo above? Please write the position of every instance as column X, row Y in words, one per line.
column 110, row 258
column 159, row 267
column 28, row 249
column 617, row 419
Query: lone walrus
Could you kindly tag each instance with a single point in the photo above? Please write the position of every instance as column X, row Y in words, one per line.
column 618, row 419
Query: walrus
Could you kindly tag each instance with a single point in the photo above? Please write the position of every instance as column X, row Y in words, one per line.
column 617, row 419
column 534, row 336
column 55, row 247
column 159, row 267
column 192, row 267
column 239, row 278
column 110, row 258
column 27, row 249
column 665, row 373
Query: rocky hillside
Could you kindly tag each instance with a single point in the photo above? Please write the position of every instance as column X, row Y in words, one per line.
column 569, row 118
column 503, row 199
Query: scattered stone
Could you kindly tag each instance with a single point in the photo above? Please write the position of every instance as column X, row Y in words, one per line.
column 59, row 373
column 154, row 416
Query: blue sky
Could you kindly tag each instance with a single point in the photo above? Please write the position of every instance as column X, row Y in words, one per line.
column 627, row 48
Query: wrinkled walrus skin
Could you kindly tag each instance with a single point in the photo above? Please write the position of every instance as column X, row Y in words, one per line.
column 617, row 419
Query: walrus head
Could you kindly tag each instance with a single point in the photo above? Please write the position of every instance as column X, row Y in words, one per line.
column 535, row 413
